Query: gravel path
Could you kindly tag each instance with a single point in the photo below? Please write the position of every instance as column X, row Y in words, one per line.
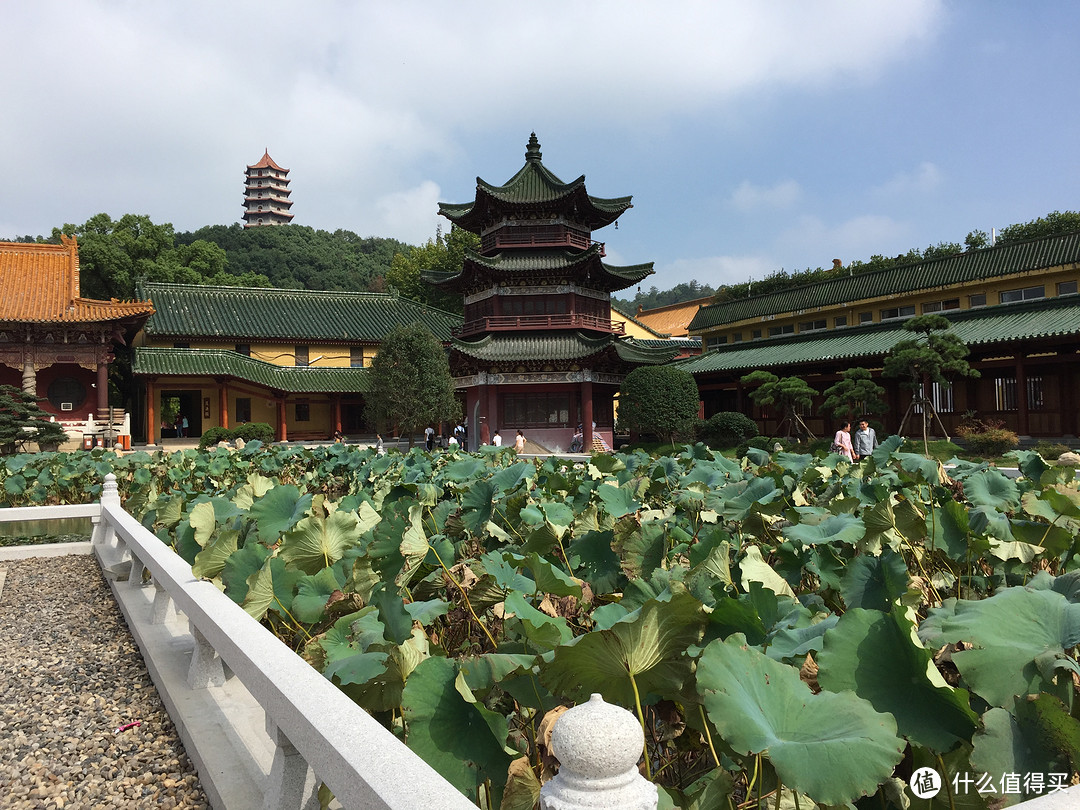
column 70, row 675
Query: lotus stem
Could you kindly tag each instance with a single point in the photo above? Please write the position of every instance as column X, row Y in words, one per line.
column 641, row 719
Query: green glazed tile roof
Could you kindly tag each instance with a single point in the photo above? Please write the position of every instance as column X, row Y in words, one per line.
column 1031, row 320
column 560, row 346
column 534, row 186
column 262, row 313
column 541, row 261
column 976, row 265
column 221, row 363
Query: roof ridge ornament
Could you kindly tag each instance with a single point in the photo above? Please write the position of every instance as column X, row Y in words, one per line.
column 532, row 151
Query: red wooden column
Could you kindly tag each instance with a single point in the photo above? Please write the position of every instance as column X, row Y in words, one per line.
column 1021, row 396
column 151, row 421
column 493, row 408
column 283, row 432
column 223, row 403
column 337, row 412
column 587, row 415
column 102, row 390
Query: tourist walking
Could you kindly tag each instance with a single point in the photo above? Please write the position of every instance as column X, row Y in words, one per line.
column 864, row 440
column 429, row 438
column 519, row 442
column 841, row 442
column 496, row 439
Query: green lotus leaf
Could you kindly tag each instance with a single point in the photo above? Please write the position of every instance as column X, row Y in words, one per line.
column 987, row 520
column 639, row 545
column 928, row 469
column 559, row 515
column 503, row 567
column 593, row 557
column 314, row 591
column 509, row 478
column 211, row 560
column 547, row 632
column 803, row 632
column 550, row 578
column 834, row 747
column 451, row 734
column 392, row 613
column 427, row 612
column 1055, row 540
column 465, row 469
column 476, row 507
column 1020, row 637
column 531, row 515
column 992, row 488
column 618, row 501
column 1039, row 737
column 278, row 511
column 878, row 656
column 753, row 568
column 646, row 650
column 318, row 542
column 242, row 564
column 481, row 672
column 272, row 587
column 891, row 522
column 202, row 520
column 875, row 582
column 949, row 529
column 1063, row 499
column 846, row 529
column 736, row 500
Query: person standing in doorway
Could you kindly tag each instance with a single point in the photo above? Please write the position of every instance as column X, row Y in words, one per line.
column 184, row 425
column 864, row 440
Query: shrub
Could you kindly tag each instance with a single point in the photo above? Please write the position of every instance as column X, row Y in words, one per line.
column 727, row 428
column 763, row 443
column 1051, row 450
column 254, row 431
column 660, row 401
column 212, row 436
column 993, row 442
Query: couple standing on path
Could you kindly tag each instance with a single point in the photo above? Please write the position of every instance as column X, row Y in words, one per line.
column 855, row 446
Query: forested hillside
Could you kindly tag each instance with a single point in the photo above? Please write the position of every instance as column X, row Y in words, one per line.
column 299, row 257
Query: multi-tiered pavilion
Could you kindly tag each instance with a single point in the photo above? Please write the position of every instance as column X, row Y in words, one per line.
column 266, row 194
column 538, row 350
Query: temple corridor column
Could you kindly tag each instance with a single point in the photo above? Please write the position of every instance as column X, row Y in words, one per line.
column 223, row 403
column 102, row 390
column 1021, row 396
column 151, row 411
column 29, row 378
column 587, row 415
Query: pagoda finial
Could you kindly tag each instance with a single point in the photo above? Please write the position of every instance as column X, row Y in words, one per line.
column 532, row 151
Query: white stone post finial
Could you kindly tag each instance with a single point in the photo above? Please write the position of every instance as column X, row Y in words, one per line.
column 110, row 495
column 598, row 747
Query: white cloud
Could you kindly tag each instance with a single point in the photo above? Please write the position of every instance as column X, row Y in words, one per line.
column 409, row 215
column 749, row 197
column 922, row 180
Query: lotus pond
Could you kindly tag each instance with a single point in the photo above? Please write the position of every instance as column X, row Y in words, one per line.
column 788, row 629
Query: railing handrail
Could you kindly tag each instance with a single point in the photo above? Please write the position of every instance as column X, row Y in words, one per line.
column 359, row 760
column 14, row 514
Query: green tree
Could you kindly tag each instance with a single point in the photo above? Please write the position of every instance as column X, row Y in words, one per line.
column 660, row 401
column 114, row 254
column 853, row 394
column 933, row 355
column 790, row 394
column 411, row 386
column 23, row 421
column 444, row 254
column 1054, row 223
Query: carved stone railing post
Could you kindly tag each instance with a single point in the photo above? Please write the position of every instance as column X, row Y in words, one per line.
column 163, row 606
column 206, row 669
column 136, row 572
column 598, row 747
column 291, row 784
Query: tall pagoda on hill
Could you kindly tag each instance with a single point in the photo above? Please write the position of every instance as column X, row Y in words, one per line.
column 538, row 350
column 266, row 194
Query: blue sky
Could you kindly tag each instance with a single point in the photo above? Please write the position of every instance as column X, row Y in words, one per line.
column 753, row 136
